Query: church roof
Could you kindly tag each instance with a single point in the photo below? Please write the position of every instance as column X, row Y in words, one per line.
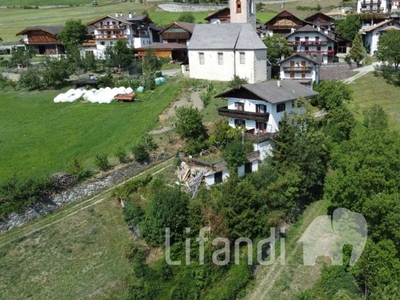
column 239, row 36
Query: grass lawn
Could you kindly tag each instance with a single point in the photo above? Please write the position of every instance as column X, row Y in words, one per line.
column 369, row 90
column 78, row 257
column 37, row 135
column 85, row 12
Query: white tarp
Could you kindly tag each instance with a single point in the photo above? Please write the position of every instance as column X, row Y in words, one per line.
column 103, row 95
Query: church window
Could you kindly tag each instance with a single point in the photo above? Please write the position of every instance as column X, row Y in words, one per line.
column 238, row 6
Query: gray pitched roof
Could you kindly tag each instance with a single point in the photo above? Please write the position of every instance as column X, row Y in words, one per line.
column 271, row 91
column 309, row 28
column 225, row 36
column 302, row 55
column 50, row 29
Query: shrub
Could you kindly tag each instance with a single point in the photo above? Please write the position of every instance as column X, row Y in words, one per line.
column 101, row 161
column 121, row 154
column 75, row 167
column 140, row 152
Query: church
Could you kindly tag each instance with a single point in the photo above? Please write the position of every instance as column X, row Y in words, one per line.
column 224, row 50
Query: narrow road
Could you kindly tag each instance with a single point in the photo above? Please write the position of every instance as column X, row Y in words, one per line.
column 361, row 72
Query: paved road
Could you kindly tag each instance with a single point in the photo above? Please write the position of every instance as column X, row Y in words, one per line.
column 361, row 72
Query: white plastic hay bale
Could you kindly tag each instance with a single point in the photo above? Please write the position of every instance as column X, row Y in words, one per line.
column 60, row 98
column 128, row 90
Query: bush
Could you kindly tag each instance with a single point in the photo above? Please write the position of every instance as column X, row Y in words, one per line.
column 140, row 152
column 121, row 154
column 101, row 161
column 75, row 167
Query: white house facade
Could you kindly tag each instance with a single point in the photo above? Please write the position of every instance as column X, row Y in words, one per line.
column 260, row 107
column 300, row 68
column 313, row 41
column 137, row 31
column 221, row 51
column 372, row 33
column 370, row 6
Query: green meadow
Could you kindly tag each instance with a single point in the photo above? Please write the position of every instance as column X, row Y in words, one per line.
column 39, row 136
column 87, row 12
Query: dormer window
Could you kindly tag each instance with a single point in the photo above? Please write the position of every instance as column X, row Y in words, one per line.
column 238, row 6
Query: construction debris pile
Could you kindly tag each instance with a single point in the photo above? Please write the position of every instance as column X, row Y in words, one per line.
column 191, row 176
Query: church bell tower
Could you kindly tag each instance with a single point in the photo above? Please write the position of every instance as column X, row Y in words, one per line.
column 243, row 11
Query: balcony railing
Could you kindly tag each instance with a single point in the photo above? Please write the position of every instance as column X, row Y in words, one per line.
column 302, row 80
column 108, row 27
column 111, row 37
column 308, row 43
column 240, row 114
column 259, row 135
column 317, row 51
column 297, row 69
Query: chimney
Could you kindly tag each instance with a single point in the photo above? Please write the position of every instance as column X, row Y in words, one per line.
column 116, row 14
column 278, row 83
column 318, row 28
column 130, row 16
column 120, row 14
column 292, row 30
column 282, row 57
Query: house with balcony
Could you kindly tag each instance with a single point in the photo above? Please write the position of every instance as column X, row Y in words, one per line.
column 314, row 41
column 221, row 16
column 371, row 34
column 260, row 107
column 374, row 6
column 322, row 20
column 137, row 31
column 44, row 39
column 301, row 68
column 283, row 23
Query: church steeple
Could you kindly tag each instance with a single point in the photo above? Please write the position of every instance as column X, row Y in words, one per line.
column 243, row 11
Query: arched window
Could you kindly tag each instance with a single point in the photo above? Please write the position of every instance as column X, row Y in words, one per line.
column 238, row 6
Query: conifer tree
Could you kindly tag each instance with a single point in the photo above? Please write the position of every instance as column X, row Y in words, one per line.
column 357, row 49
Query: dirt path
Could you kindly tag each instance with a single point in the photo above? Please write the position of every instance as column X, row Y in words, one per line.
column 268, row 276
column 194, row 100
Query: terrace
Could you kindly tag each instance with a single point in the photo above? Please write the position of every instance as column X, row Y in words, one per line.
column 240, row 114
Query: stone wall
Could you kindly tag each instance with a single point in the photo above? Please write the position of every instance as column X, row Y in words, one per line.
column 74, row 194
column 181, row 7
column 338, row 71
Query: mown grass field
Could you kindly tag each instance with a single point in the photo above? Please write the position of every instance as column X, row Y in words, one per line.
column 38, row 135
column 76, row 258
column 369, row 90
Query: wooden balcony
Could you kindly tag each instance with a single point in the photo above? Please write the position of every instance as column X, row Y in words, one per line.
column 317, row 51
column 111, row 37
column 240, row 114
column 302, row 80
column 110, row 27
column 297, row 69
column 308, row 43
column 259, row 136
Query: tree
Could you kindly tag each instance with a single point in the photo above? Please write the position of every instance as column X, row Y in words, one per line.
column 22, row 56
column 235, row 154
column 150, row 63
column 56, row 72
column 236, row 82
column 167, row 207
column 119, row 55
column 30, row 79
column 332, row 94
column 388, row 48
column 141, row 150
column 189, row 122
column 186, row 17
column 357, row 50
column 375, row 118
column 73, row 34
column 348, row 28
column 277, row 47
